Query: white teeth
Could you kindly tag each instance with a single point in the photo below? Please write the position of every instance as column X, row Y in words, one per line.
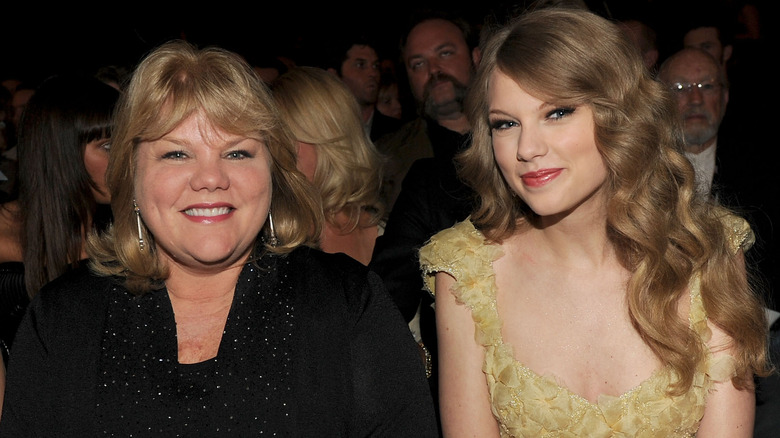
column 208, row 212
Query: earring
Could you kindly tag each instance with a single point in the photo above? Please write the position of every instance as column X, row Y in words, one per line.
column 272, row 240
column 137, row 210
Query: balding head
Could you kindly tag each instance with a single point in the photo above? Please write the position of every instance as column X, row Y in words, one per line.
column 688, row 59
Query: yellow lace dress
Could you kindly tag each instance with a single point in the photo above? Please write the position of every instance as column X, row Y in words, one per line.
column 529, row 405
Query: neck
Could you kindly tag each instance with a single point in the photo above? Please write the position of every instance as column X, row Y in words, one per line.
column 200, row 310
column 186, row 285
column 577, row 237
column 357, row 242
column 366, row 111
column 584, row 246
column 699, row 148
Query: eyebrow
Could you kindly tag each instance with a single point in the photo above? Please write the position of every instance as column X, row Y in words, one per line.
column 225, row 143
column 678, row 79
column 438, row 48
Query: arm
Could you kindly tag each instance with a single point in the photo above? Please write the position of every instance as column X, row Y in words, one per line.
column 729, row 412
column 463, row 394
column 409, row 226
column 391, row 394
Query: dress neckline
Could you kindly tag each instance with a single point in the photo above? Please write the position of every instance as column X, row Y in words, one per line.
column 508, row 350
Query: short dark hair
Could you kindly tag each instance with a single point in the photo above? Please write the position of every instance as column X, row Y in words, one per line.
column 335, row 50
column 425, row 14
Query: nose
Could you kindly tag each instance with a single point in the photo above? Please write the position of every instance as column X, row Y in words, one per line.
column 530, row 145
column 694, row 95
column 374, row 72
column 434, row 66
column 210, row 174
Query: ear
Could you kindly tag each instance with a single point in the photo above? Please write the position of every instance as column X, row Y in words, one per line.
column 727, row 53
column 476, row 55
column 333, row 71
column 651, row 58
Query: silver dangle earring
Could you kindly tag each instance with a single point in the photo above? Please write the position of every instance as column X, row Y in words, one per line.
column 272, row 240
column 137, row 210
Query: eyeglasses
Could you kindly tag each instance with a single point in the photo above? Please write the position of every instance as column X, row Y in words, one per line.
column 707, row 88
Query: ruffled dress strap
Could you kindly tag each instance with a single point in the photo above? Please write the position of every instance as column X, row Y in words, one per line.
column 740, row 237
column 463, row 252
column 738, row 232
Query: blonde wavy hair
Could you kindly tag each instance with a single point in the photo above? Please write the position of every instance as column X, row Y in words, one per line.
column 321, row 110
column 662, row 232
column 173, row 82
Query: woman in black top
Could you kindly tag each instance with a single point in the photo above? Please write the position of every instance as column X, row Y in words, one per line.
column 206, row 311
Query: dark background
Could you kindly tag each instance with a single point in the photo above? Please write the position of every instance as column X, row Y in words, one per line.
column 38, row 40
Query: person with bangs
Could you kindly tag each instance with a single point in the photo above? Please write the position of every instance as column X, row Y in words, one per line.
column 60, row 194
column 592, row 291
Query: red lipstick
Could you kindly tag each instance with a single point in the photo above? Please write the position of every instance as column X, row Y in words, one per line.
column 540, row 177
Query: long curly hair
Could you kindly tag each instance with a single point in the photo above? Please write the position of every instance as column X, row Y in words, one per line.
column 663, row 232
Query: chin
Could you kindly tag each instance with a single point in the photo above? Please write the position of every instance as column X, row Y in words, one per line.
column 219, row 254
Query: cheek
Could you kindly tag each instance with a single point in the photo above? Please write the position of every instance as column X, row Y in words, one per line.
column 597, row 167
column 96, row 162
column 505, row 156
column 417, row 83
column 461, row 70
column 151, row 188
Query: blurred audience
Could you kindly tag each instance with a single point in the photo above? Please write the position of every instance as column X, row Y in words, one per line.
column 730, row 163
column 389, row 98
column 354, row 59
column 439, row 54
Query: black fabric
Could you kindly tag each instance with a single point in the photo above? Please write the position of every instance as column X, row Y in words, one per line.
column 382, row 125
column 746, row 179
column 432, row 198
column 768, row 393
column 331, row 357
column 13, row 302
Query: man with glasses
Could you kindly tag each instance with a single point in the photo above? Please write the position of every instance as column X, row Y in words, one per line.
column 734, row 165
column 699, row 85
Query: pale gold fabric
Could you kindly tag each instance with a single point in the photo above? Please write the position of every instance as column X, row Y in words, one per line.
column 528, row 405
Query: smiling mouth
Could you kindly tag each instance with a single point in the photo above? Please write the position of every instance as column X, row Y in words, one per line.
column 541, row 177
column 207, row 212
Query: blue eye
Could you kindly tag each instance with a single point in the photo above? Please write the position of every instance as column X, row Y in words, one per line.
column 559, row 113
column 499, row 125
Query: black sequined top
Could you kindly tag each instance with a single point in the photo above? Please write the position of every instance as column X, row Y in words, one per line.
column 313, row 346
column 13, row 302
